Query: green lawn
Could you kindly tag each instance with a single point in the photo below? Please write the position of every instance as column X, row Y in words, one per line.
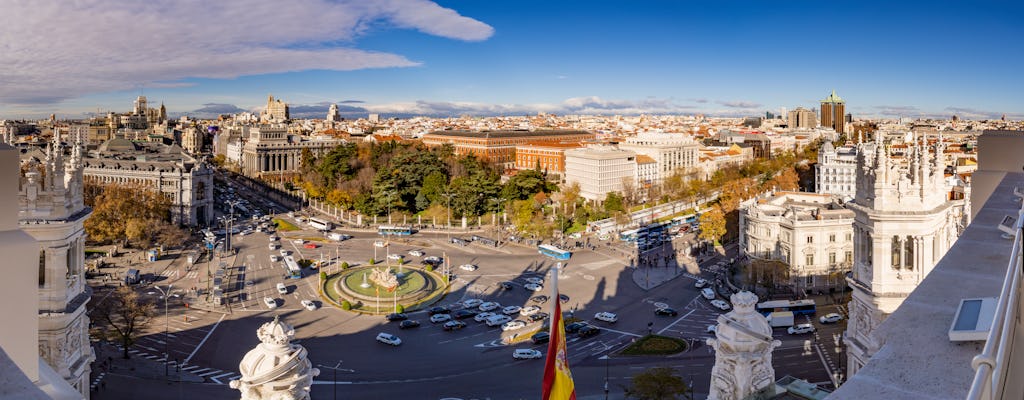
column 284, row 226
column 655, row 345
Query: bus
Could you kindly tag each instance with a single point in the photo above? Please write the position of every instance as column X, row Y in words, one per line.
column 385, row 230
column 294, row 271
column 553, row 252
column 798, row 307
column 321, row 224
column 629, row 236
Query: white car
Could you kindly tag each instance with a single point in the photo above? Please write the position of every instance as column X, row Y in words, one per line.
column 830, row 318
column 309, row 305
column 799, row 329
column 511, row 310
column 700, row 283
column 481, row 317
column 468, row 267
column 394, row 257
column 438, row 318
column 387, row 338
column 535, row 280
column 299, row 241
column 489, row 306
column 606, row 317
column 604, row 237
column 534, row 287
column 285, row 253
column 270, row 302
column 272, row 246
column 470, row 303
column 379, row 243
column 513, row 325
column 274, row 238
column 528, row 311
column 720, row 304
column 712, row 328
column 526, row 354
column 274, row 258
column 708, row 293
column 496, row 320
column 282, row 289
column 416, row 253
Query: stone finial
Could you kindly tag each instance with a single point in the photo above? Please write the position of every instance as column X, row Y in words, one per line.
column 743, row 302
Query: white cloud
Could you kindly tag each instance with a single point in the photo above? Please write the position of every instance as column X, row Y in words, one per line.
column 590, row 105
column 58, row 50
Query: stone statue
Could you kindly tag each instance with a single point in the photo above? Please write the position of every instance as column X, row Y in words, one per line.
column 743, row 347
column 276, row 369
column 384, row 278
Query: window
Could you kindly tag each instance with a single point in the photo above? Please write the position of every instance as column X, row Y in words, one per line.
column 849, row 256
column 832, row 238
column 908, row 259
column 849, row 237
column 810, row 280
column 810, row 239
column 42, row 267
column 897, row 248
column 810, row 259
column 831, row 258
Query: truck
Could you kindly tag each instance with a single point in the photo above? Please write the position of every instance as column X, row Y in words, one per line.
column 780, row 319
column 337, row 237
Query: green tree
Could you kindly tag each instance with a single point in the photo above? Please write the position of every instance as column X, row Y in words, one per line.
column 123, row 316
column 526, row 183
column 433, row 187
column 613, row 201
column 123, row 212
column 346, row 305
column 712, row 225
column 658, row 383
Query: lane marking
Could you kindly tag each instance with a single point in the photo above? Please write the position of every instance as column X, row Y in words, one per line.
column 676, row 321
column 204, row 339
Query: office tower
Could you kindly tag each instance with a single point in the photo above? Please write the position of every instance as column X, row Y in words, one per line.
column 833, row 111
column 802, row 118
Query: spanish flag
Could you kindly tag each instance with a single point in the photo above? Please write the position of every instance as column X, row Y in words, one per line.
column 557, row 378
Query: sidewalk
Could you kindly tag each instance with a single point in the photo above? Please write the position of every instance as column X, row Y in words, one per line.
column 110, row 362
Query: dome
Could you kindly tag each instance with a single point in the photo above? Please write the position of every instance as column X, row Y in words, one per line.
column 118, row 145
column 828, row 147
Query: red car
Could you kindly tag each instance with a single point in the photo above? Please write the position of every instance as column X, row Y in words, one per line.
column 311, row 245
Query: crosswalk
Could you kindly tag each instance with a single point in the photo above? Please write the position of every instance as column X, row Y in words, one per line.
column 173, row 273
column 213, row 375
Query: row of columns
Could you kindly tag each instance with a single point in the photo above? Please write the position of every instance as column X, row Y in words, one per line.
column 255, row 163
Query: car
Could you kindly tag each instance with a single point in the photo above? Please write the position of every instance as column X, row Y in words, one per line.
column 830, row 318
column 409, row 323
column 433, row 260
column 721, row 304
column 606, row 317
column 463, row 314
column 298, row 241
column 540, row 337
column 708, row 293
column 665, row 311
column 513, row 325
column 563, row 298
column 396, row 317
column 274, row 258
column 588, row 331
column 534, row 287
column 800, row 329
column 272, row 246
column 470, row 303
column 712, row 328
column 506, row 285
column 309, row 304
column 535, row 280
column 438, row 310
column 282, row 289
column 498, row 319
column 481, row 317
column 379, row 243
column 528, row 311
column 311, row 245
column 468, row 267
column 526, row 354
column 388, row 338
column 270, row 302
column 604, row 237
column 395, row 257
column 575, row 327
column 539, row 299
column 285, row 253
column 416, row 253
column 511, row 310
column 438, row 318
column 538, row 316
column 488, row 306
column 700, row 283
column 274, row 238
column 453, row 325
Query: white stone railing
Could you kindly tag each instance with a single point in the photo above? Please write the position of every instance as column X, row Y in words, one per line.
column 992, row 365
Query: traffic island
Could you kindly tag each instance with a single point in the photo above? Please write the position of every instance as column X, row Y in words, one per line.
column 353, row 289
column 655, row 345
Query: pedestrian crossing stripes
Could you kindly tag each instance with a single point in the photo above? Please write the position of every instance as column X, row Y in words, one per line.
column 213, row 375
column 192, row 274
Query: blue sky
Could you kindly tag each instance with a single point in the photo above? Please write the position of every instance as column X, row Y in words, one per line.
column 492, row 57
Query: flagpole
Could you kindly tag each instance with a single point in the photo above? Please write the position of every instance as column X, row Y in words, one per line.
column 554, row 289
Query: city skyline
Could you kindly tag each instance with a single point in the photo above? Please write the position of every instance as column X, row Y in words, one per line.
column 478, row 58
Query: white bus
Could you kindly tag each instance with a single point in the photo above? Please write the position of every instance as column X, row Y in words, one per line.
column 294, row 271
column 321, row 224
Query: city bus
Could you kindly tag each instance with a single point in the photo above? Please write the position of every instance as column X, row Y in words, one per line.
column 629, row 236
column 321, row 224
column 553, row 252
column 798, row 307
column 385, row 230
column 294, row 271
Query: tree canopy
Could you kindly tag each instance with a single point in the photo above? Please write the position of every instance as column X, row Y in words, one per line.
column 130, row 215
column 658, row 383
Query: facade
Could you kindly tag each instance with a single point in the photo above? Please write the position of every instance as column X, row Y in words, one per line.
column 802, row 118
column 833, row 113
column 836, row 171
column 599, row 170
column 269, row 151
column 500, row 146
column 904, row 223
column 812, row 233
column 192, row 140
column 670, row 151
column 550, row 157
column 276, row 111
column 187, row 182
column 332, row 114
column 646, row 171
column 51, row 209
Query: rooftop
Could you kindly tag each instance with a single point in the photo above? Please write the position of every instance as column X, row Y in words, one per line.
column 507, row 134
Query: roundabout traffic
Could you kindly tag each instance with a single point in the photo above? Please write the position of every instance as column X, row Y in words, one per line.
column 381, row 289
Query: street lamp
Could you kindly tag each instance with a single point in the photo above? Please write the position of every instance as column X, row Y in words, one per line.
column 167, row 297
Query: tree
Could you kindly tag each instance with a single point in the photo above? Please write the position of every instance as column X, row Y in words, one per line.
column 787, row 179
column 712, row 225
column 571, row 195
column 613, row 202
column 122, row 212
column 125, row 314
column 525, row 184
column 658, row 383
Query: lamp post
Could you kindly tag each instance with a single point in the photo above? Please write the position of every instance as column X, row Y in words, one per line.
column 606, row 358
column 448, row 196
column 167, row 297
column 336, row 368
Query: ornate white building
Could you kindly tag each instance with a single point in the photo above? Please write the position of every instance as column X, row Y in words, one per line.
column 51, row 210
column 670, row 151
column 904, row 223
column 836, row 171
column 276, row 368
column 743, row 347
column 269, row 151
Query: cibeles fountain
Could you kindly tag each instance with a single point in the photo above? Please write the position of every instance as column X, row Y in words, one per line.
column 743, row 347
column 276, row 369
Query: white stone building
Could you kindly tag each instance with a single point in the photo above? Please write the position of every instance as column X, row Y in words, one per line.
column 812, row 233
column 836, row 171
column 904, row 223
column 270, row 151
column 671, row 151
column 599, row 170
column 646, row 171
column 192, row 140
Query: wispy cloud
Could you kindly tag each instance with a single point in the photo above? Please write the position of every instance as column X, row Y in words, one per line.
column 973, row 113
column 739, row 104
column 60, row 50
column 590, row 105
column 897, row 110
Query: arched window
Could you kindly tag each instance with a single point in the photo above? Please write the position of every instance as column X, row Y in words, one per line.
column 896, row 249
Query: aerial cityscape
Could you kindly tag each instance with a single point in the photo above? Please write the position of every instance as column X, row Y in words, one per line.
column 419, row 199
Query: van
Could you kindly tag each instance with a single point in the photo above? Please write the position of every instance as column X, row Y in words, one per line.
column 780, row 319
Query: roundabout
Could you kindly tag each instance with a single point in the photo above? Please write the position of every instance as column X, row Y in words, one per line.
column 380, row 289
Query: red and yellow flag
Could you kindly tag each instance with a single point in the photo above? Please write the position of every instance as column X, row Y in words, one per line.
column 557, row 378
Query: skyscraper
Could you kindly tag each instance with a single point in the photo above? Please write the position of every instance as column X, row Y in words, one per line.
column 833, row 111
